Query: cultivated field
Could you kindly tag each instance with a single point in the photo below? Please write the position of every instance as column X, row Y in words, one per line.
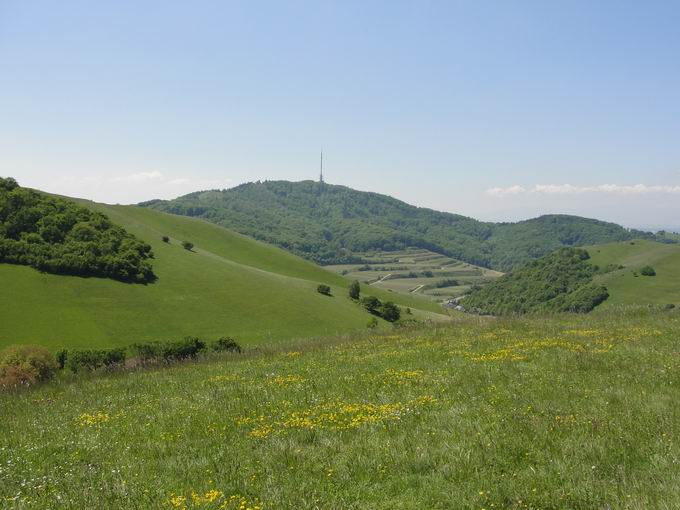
column 416, row 272
column 574, row 412
column 626, row 285
column 228, row 285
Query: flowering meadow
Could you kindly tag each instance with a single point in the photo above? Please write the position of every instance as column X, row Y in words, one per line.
column 574, row 412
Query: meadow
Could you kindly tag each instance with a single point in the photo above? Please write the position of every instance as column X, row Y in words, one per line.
column 227, row 285
column 626, row 286
column 553, row 412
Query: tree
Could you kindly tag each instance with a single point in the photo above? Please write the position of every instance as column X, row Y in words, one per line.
column 324, row 289
column 187, row 245
column 390, row 312
column 354, row 290
column 372, row 304
column 166, row 239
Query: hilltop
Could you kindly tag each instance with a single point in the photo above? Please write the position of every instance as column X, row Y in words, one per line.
column 228, row 284
column 331, row 224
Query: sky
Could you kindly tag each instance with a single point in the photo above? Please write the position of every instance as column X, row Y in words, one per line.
column 493, row 109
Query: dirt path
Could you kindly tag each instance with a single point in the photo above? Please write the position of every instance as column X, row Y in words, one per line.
column 381, row 279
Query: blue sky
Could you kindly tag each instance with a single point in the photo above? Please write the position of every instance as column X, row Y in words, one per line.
column 498, row 110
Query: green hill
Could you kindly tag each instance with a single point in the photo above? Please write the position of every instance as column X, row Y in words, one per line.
column 626, row 285
column 559, row 282
column 332, row 224
column 228, row 285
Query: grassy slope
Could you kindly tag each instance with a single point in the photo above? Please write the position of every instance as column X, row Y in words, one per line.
column 624, row 287
column 230, row 285
column 573, row 412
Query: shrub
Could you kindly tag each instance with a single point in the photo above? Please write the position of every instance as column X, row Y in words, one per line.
column 372, row 323
column 187, row 245
column 390, row 312
column 156, row 352
column 93, row 359
column 371, row 303
column 324, row 289
column 25, row 365
column 647, row 271
column 354, row 290
column 226, row 344
column 166, row 239
column 61, row 358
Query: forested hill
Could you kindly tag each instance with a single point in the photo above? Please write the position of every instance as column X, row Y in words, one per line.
column 559, row 282
column 330, row 224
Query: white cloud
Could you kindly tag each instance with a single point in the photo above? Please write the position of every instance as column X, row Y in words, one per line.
column 140, row 177
column 570, row 189
column 617, row 189
column 504, row 192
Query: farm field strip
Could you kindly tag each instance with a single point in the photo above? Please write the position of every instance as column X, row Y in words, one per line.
column 416, row 272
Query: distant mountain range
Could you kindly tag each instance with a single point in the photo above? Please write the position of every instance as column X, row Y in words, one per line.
column 332, row 224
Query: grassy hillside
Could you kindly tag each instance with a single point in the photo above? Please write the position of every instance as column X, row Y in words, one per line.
column 333, row 224
column 560, row 413
column 229, row 285
column 627, row 286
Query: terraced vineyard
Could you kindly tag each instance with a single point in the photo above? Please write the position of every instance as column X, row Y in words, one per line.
column 418, row 272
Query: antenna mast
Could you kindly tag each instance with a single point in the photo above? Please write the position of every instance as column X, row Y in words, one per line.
column 321, row 175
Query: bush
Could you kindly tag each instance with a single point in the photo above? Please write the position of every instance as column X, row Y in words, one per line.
column 61, row 358
column 324, row 289
column 25, row 365
column 166, row 239
column 390, row 312
column 187, row 245
column 93, row 359
column 354, row 290
column 371, row 303
column 647, row 271
column 226, row 344
column 156, row 352
column 372, row 323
